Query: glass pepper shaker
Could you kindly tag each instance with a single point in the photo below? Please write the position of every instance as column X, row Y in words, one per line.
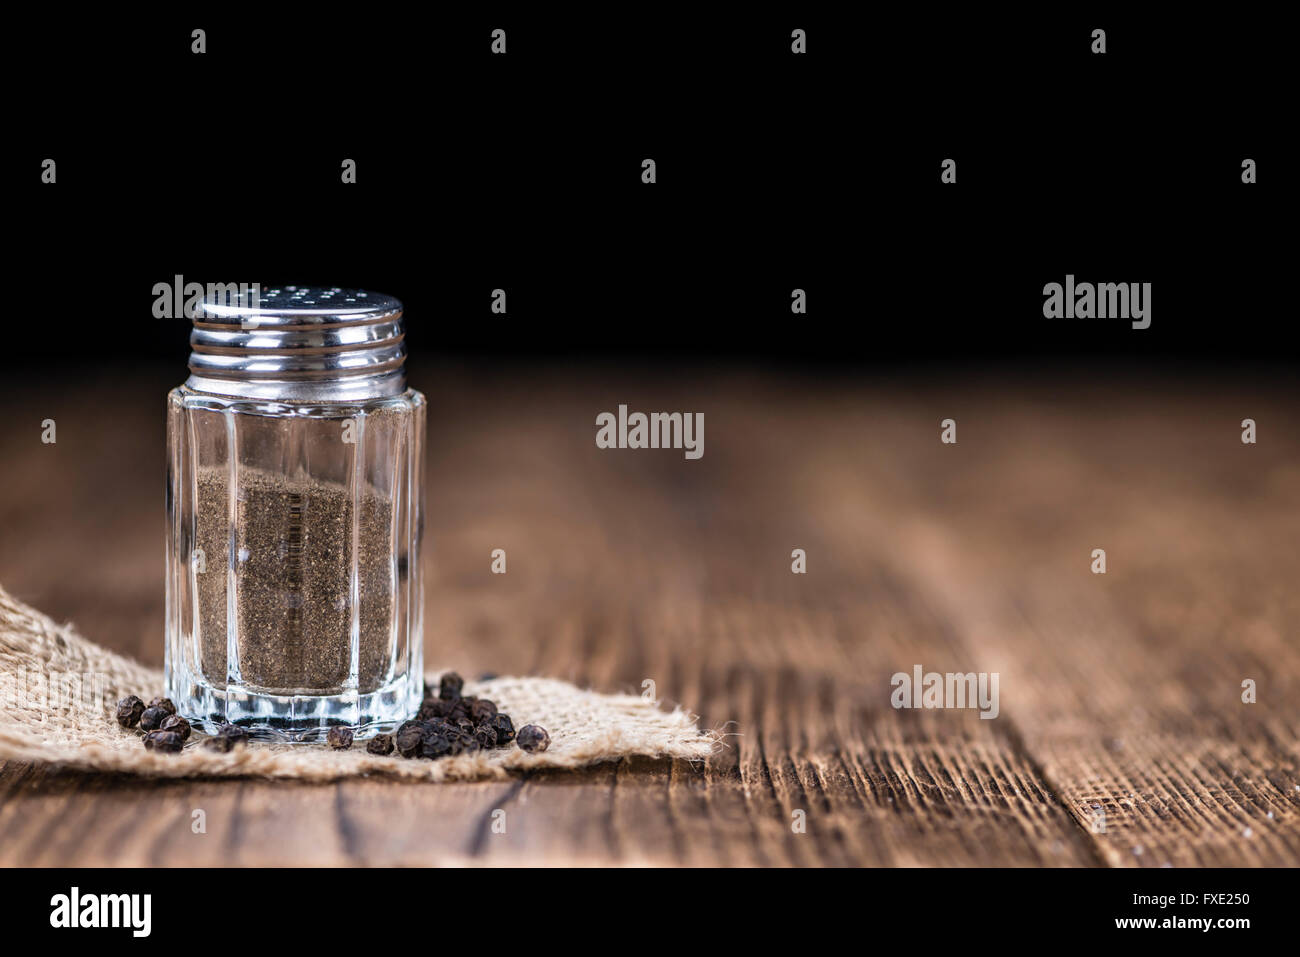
column 295, row 515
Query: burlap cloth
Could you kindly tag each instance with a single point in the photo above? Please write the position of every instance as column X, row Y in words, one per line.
column 58, row 691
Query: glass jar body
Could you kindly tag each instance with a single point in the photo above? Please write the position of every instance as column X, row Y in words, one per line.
column 294, row 597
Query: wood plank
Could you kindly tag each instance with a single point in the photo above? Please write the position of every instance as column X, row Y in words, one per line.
column 626, row 566
column 1126, row 688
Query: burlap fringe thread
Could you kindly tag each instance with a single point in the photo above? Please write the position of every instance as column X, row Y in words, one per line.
column 52, row 717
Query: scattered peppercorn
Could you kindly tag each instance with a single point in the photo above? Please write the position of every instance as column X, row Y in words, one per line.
column 450, row 686
column 174, row 722
column 152, row 719
column 532, row 738
column 168, row 741
column 504, row 728
column 445, row 728
column 236, row 733
column 448, row 723
column 227, row 738
column 458, row 710
column 410, row 737
column 435, row 745
column 432, row 708
column 129, row 710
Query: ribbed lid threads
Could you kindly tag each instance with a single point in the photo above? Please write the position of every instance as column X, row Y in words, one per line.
column 300, row 343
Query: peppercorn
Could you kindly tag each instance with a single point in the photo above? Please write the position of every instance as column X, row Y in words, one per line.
column 152, row 719
column 433, row 708
column 164, row 703
column 410, row 737
column 227, row 738
column 129, row 710
column 236, row 733
column 340, row 739
column 532, row 738
column 485, row 736
column 450, row 687
column 435, row 745
column 504, row 728
column 380, row 744
column 174, row 722
column 168, row 741
column 482, row 711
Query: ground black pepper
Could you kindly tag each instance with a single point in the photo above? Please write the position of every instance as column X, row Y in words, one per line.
column 293, row 551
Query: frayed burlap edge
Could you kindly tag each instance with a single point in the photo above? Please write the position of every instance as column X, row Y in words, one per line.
column 59, row 689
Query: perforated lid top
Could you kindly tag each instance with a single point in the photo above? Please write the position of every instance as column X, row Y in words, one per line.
column 299, row 343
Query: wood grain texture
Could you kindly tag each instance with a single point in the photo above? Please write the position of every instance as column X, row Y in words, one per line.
column 1118, row 692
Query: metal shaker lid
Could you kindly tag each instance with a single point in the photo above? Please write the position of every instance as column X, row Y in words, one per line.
column 299, row 343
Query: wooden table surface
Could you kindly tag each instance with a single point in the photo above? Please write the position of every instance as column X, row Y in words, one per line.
column 1120, row 692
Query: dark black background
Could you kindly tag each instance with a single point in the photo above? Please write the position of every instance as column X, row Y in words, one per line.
column 920, row 910
column 775, row 171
